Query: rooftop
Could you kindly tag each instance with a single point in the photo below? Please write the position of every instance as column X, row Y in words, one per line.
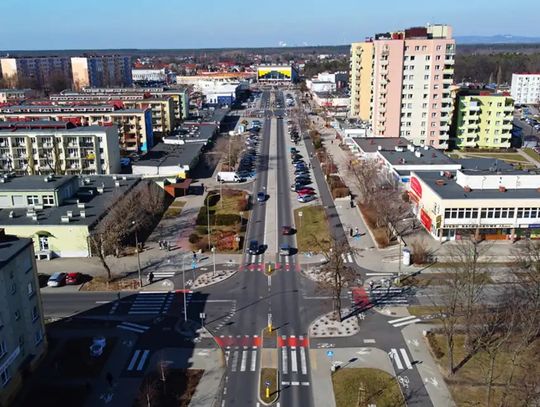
column 34, row 183
column 450, row 189
column 164, row 155
column 483, row 164
column 371, row 145
column 96, row 203
column 41, row 129
column 10, row 246
column 419, row 156
column 194, row 133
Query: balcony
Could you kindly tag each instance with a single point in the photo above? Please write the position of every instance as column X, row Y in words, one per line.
column 448, row 70
column 474, row 108
column 507, row 126
column 509, row 109
column 448, row 79
column 444, row 128
column 449, row 61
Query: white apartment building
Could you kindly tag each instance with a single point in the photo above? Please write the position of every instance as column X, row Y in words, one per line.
column 525, row 89
column 80, row 150
column 149, row 75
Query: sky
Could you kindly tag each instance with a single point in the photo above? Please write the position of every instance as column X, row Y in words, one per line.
column 106, row 24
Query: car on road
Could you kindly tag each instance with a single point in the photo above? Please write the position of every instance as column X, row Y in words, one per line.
column 73, row 278
column 57, row 279
column 305, row 198
column 293, row 150
column 261, row 197
column 253, row 247
column 287, row 230
column 306, row 191
column 284, row 250
column 303, row 178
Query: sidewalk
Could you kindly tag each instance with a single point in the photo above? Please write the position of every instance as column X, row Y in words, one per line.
column 428, row 369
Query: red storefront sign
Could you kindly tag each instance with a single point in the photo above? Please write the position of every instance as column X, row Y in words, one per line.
column 416, row 187
column 425, row 219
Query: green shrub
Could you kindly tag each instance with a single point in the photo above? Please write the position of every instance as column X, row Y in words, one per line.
column 194, row 238
column 227, row 219
column 212, row 199
column 202, row 218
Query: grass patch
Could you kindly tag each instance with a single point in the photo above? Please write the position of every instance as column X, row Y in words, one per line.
column 170, row 388
column 312, row 228
column 362, row 387
column 174, row 210
column 75, row 360
column 468, row 385
column 531, row 153
column 269, row 375
column 437, row 279
column 511, row 157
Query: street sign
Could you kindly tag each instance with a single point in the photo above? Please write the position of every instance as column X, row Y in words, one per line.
column 300, row 213
column 267, row 383
column 202, row 315
column 329, row 353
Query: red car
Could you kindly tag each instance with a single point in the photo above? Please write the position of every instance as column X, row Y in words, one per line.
column 73, row 278
column 287, row 230
column 306, row 191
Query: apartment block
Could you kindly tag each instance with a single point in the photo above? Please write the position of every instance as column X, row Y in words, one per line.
column 525, row 88
column 360, row 79
column 77, row 150
column 135, row 130
column 35, row 72
column 101, row 70
column 411, row 74
column 484, row 120
column 14, row 95
column 22, row 330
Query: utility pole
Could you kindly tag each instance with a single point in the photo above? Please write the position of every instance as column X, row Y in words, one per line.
column 184, row 285
column 138, row 256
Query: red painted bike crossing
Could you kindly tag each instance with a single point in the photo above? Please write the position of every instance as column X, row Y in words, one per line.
column 255, row 341
column 292, row 341
column 274, row 267
column 360, row 298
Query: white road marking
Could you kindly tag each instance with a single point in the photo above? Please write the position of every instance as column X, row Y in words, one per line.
column 305, row 383
column 234, row 360
column 244, row 361
column 413, row 321
column 253, row 360
column 143, row 359
column 394, row 355
column 269, row 281
column 303, row 363
column 349, row 257
column 406, row 359
column 294, row 362
column 369, row 340
column 284, row 364
column 401, row 319
column 133, row 359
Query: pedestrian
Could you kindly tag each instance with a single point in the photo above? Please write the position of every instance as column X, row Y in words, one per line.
column 195, row 257
column 168, row 246
column 160, row 245
column 371, row 286
column 150, row 277
column 109, row 378
column 356, row 232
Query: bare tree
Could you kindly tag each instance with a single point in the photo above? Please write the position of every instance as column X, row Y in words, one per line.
column 335, row 274
column 365, row 176
column 389, row 209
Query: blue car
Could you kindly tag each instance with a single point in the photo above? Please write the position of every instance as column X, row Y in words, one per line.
column 261, row 197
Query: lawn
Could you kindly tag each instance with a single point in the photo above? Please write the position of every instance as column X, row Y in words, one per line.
column 511, row 157
column 269, row 375
column 423, row 280
column 468, row 384
column 531, row 153
column 312, row 228
column 363, row 387
column 229, row 215
column 170, row 388
column 174, row 210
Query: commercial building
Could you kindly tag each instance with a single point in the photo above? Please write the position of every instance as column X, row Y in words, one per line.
column 36, row 71
column 27, row 150
column 484, row 120
column 134, row 125
column 335, row 104
column 277, row 73
column 59, row 212
column 22, row 330
column 409, row 93
column 15, row 95
column 101, row 70
column 204, row 133
column 525, row 88
column 148, row 75
column 170, row 159
column 492, row 204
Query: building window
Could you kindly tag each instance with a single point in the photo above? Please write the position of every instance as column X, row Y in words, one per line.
column 427, row 67
column 30, row 289
column 17, row 315
column 13, row 288
column 35, row 313
column 417, row 48
column 32, row 200
column 38, row 336
column 428, row 57
column 426, row 77
column 48, row 200
column 439, row 47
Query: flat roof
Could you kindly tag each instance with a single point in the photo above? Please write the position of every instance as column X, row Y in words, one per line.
column 452, row 190
column 371, row 144
column 430, row 156
column 483, row 164
column 204, row 132
column 35, row 183
column 72, row 130
column 96, row 204
column 10, row 246
column 163, row 155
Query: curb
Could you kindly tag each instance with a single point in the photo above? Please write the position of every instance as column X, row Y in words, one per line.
column 213, row 283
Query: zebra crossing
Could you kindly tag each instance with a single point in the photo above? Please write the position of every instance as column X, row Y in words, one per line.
column 241, row 352
column 293, row 360
column 347, row 257
column 404, row 321
column 138, row 360
column 388, row 296
column 164, row 274
column 286, row 263
column 151, row 303
column 400, row 359
column 133, row 327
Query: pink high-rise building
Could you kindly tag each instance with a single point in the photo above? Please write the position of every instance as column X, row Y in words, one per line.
column 411, row 77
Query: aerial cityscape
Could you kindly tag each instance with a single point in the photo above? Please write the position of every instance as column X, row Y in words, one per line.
column 293, row 205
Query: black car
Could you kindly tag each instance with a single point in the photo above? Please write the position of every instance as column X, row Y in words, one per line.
column 253, row 247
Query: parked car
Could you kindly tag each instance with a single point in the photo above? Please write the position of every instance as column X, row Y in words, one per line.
column 253, row 247
column 306, row 191
column 284, row 250
column 305, row 198
column 57, row 279
column 261, row 197
column 73, row 278
column 287, row 230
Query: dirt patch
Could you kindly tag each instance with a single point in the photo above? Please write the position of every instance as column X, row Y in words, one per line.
column 168, row 388
column 101, row 284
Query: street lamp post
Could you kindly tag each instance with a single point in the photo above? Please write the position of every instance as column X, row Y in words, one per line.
column 138, row 256
column 184, row 286
column 214, row 259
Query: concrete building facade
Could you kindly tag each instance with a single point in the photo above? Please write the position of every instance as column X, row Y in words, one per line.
column 101, row 70
column 525, row 88
column 79, row 150
column 39, row 71
column 484, row 121
column 409, row 84
column 22, row 330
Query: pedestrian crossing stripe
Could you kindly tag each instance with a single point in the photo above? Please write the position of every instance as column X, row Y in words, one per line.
column 241, row 360
column 395, row 356
column 347, row 257
column 138, row 360
column 293, row 362
column 130, row 326
column 404, row 321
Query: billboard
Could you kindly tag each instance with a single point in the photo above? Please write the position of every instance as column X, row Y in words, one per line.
column 276, row 73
